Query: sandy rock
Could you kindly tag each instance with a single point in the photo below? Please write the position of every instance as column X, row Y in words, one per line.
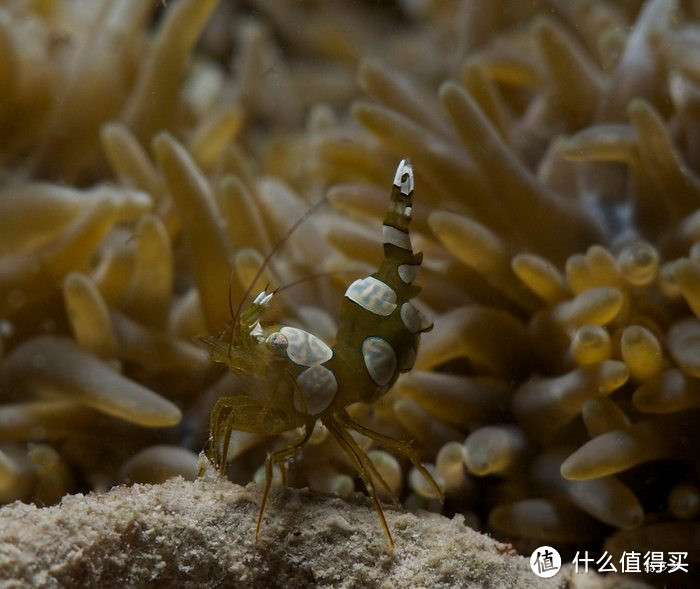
column 201, row 534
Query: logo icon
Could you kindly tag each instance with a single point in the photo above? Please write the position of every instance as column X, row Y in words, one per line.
column 545, row 562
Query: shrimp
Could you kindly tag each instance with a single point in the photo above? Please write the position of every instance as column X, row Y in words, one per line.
column 295, row 379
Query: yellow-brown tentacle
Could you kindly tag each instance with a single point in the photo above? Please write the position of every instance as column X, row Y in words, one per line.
column 393, row 444
column 276, row 458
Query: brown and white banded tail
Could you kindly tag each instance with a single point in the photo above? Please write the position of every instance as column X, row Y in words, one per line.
column 398, row 215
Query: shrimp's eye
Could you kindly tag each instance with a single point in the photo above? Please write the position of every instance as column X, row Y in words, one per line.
column 277, row 342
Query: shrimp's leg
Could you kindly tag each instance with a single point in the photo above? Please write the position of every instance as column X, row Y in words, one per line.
column 277, row 458
column 393, row 444
column 228, row 426
column 356, row 454
column 213, row 446
column 368, row 464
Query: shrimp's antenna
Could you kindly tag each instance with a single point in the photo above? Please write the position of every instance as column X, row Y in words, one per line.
column 230, row 322
column 313, row 277
column 272, row 252
column 230, row 303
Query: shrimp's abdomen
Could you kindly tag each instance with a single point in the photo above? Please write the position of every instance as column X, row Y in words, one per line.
column 379, row 327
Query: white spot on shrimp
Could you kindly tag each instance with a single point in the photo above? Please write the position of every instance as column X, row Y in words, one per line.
column 403, row 179
column 380, row 359
column 263, row 298
column 257, row 331
column 408, row 272
column 410, row 317
column 373, row 295
column 396, row 237
column 316, row 390
column 305, row 348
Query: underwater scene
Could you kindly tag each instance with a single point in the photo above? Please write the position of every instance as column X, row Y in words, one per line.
column 166, row 165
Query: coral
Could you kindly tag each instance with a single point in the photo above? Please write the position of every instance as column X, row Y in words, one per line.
column 147, row 174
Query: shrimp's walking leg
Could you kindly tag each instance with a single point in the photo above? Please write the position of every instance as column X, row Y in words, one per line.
column 367, row 463
column 356, row 454
column 213, row 446
column 393, row 444
column 277, row 458
column 227, row 439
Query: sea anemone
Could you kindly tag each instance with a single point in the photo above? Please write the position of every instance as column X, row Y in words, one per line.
column 557, row 158
column 558, row 182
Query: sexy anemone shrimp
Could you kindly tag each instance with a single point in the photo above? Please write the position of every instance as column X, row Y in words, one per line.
column 295, row 379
